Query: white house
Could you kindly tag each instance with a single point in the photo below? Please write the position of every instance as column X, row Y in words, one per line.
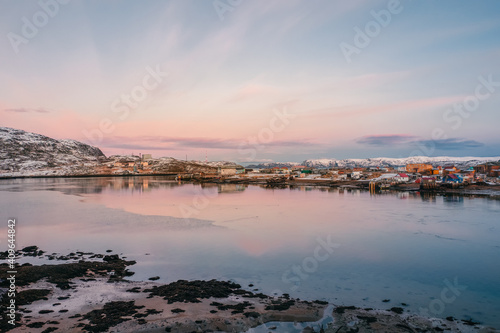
column 226, row 170
column 386, row 177
column 355, row 174
column 402, row 177
column 339, row 177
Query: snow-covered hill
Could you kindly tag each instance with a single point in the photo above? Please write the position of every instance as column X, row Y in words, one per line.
column 23, row 152
column 268, row 165
column 172, row 165
column 29, row 154
column 390, row 162
column 461, row 162
column 216, row 164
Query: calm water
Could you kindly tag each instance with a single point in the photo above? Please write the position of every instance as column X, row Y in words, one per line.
column 403, row 247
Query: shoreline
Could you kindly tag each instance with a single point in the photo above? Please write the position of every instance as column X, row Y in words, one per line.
column 89, row 294
column 486, row 191
column 90, row 176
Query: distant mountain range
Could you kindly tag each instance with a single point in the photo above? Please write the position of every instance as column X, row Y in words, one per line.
column 383, row 162
column 29, row 154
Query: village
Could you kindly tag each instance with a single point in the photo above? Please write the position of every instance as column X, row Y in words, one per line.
column 423, row 176
column 426, row 175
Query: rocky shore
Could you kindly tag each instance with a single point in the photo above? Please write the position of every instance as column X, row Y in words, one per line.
column 90, row 294
column 87, row 292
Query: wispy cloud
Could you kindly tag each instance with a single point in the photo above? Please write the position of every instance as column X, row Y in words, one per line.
column 451, row 143
column 227, row 76
column 177, row 143
column 386, row 140
column 405, row 139
column 252, row 90
column 26, row 110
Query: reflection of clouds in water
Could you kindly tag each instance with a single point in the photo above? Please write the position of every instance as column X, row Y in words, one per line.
column 140, row 223
column 439, row 236
column 49, row 208
column 422, row 221
column 449, row 238
column 263, row 232
column 89, row 185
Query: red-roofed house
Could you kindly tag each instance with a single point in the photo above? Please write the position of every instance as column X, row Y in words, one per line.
column 453, row 178
column 402, row 177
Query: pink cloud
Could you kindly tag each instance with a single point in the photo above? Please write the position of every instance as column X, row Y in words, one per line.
column 63, row 124
column 252, row 91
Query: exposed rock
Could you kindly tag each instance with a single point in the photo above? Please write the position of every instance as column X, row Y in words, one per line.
column 110, row 315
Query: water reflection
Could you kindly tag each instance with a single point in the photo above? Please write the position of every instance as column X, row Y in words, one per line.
column 453, row 200
column 89, row 185
column 428, row 196
column 141, row 184
column 393, row 244
column 230, row 188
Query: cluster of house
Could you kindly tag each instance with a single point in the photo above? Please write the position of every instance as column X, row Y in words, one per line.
column 452, row 174
column 419, row 173
column 400, row 174
column 135, row 162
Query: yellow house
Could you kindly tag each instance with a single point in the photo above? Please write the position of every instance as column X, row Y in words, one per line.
column 449, row 170
column 419, row 167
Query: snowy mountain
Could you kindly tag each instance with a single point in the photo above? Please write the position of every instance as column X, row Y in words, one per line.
column 172, row 165
column 323, row 163
column 30, row 154
column 216, row 164
column 269, row 165
column 391, row 162
column 22, row 151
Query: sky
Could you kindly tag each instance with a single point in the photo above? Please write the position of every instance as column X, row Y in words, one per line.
column 255, row 80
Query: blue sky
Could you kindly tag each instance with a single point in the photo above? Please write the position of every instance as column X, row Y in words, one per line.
column 233, row 66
